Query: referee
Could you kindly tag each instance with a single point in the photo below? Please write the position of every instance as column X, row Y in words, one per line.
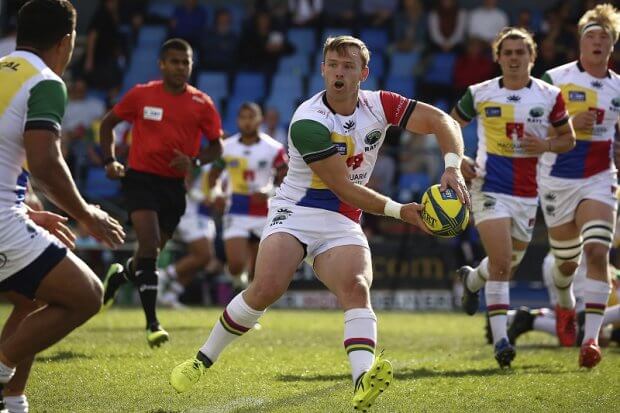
column 168, row 118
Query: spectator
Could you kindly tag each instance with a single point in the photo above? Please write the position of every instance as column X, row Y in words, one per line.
column 305, row 13
column 341, row 13
column 557, row 27
column 382, row 178
column 473, row 66
column 271, row 126
column 133, row 15
column 105, row 48
column 378, row 13
column 526, row 20
column 446, row 25
column 261, row 47
column 188, row 22
column 220, row 44
column 77, row 128
column 486, row 21
column 410, row 26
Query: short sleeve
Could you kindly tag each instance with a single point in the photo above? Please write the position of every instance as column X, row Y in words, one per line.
column 280, row 159
column 312, row 139
column 465, row 106
column 211, row 123
column 46, row 106
column 558, row 115
column 128, row 108
column 397, row 108
column 546, row 78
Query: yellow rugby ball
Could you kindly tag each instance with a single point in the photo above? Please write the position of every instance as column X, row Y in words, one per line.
column 444, row 214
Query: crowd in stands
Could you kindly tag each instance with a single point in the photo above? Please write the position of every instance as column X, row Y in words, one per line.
column 270, row 51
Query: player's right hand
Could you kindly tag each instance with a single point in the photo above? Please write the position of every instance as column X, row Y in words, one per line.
column 468, row 168
column 411, row 214
column 103, row 227
column 584, row 120
column 115, row 170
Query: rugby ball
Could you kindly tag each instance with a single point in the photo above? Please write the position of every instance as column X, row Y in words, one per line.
column 444, row 214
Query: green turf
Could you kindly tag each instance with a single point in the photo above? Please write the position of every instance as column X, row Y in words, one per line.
column 296, row 363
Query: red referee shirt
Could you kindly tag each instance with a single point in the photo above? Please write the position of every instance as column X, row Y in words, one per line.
column 163, row 122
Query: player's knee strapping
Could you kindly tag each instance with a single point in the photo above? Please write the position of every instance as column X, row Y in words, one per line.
column 566, row 251
column 597, row 231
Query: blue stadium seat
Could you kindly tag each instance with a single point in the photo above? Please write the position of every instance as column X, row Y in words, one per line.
column 441, row 69
column 250, row 86
column 151, row 37
column 163, row 9
column 332, row 32
column 404, row 85
column 296, row 64
column 142, row 68
column 304, row 40
column 412, row 185
column 470, row 138
column 285, row 104
column 214, row 84
column 404, row 64
column 375, row 39
column 370, row 83
column 315, row 85
column 289, row 84
column 377, row 65
column 229, row 120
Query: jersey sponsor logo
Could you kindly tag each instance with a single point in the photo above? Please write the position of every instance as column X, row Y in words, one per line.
column 514, row 98
column 576, row 96
column 597, row 84
column 9, row 66
column 615, row 105
column 372, row 137
column 355, row 161
column 537, row 112
column 153, row 113
column 349, row 125
column 493, row 112
column 262, row 164
column 599, row 113
column 550, row 210
column 233, row 163
column 489, row 202
column 341, row 147
column 281, row 215
column 514, row 130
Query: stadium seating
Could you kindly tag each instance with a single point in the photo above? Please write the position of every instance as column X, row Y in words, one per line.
column 412, row 185
column 404, row 85
column 161, row 9
column 289, row 84
column 404, row 64
column 304, row 40
column 285, row 104
column 376, row 39
column 215, row 84
column 332, row 32
column 441, row 68
column 250, row 86
column 98, row 186
column 315, row 84
column 296, row 64
column 151, row 37
column 377, row 65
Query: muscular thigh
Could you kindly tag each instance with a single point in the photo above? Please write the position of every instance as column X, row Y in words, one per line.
column 341, row 266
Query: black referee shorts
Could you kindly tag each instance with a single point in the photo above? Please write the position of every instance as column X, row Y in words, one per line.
column 164, row 195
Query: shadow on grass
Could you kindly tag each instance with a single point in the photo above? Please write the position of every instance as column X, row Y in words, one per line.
column 62, row 356
column 115, row 329
column 426, row 373
column 292, row 400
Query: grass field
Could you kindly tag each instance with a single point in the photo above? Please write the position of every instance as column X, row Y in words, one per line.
column 296, row 363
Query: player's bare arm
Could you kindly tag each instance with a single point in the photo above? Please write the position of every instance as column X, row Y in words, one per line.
column 55, row 224
column 427, row 119
column 113, row 168
column 562, row 141
column 50, row 170
column 334, row 173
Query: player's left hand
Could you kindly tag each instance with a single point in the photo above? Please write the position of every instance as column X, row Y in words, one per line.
column 534, row 145
column 452, row 178
column 55, row 224
column 181, row 161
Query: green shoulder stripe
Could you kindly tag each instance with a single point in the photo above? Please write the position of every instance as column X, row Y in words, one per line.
column 46, row 103
column 219, row 163
column 312, row 139
column 546, row 78
column 465, row 107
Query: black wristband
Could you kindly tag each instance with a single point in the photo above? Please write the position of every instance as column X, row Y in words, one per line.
column 108, row 161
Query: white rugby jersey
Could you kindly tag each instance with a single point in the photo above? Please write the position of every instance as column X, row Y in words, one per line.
column 250, row 168
column 582, row 92
column 504, row 116
column 317, row 132
column 32, row 96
